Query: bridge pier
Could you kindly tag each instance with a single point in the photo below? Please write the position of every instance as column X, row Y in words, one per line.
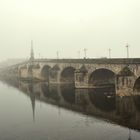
column 54, row 77
column 124, row 85
column 81, row 79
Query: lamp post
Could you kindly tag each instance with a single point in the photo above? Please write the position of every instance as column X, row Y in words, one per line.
column 85, row 52
column 127, row 49
column 78, row 54
column 57, row 54
column 109, row 50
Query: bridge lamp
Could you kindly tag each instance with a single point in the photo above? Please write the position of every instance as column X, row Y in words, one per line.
column 127, row 48
column 109, row 52
column 78, row 54
column 57, row 54
column 85, row 52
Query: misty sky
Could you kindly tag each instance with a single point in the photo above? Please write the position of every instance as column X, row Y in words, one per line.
column 69, row 26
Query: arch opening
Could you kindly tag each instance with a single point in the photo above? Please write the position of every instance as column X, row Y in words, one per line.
column 102, row 78
column 67, row 75
column 136, row 88
column 45, row 72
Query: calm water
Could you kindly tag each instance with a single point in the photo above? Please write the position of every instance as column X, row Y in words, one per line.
column 37, row 111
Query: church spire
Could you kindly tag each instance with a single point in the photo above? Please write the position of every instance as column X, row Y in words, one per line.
column 32, row 51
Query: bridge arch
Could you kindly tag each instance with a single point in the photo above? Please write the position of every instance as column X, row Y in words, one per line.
column 67, row 75
column 102, row 77
column 136, row 87
column 45, row 72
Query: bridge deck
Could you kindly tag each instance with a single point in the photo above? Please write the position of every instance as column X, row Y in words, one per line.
column 86, row 61
column 94, row 61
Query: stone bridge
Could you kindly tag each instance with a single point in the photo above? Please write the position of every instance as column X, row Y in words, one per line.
column 123, row 74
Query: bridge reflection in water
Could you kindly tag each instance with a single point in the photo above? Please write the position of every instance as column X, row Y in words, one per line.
column 99, row 102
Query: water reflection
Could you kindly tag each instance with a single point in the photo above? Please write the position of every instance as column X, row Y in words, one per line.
column 103, row 98
column 137, row 102
column 101, row 102
column 68, row 93
column 32, row 97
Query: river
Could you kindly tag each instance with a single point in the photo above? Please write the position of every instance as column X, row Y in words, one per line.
column 38, row 111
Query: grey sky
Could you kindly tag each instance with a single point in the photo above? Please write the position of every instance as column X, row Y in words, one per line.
column 69, row 26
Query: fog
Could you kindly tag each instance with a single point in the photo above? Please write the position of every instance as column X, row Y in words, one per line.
column 69, row 26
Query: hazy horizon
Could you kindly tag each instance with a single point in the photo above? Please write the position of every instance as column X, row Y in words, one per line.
column 69, row 27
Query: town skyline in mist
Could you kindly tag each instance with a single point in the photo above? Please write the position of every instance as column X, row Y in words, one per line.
column 68, row 27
